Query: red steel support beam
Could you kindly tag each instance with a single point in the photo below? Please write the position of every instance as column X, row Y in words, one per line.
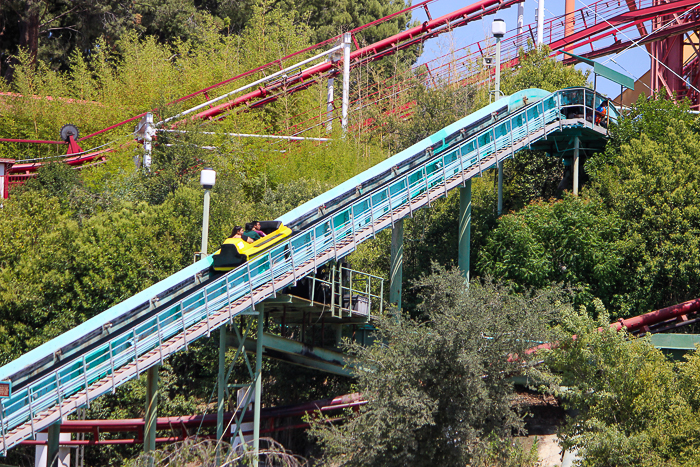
column 389, row 44
column 658, row 316
column 619, row 46
column 193, row 421
column 569, row 18
column 635, row 17
column 632, row 5
column 637, row 323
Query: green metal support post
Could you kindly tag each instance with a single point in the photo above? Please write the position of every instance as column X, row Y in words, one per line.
column 576, row 164
column 499, row 207
column 465, row 225
column 258, row 382
column 149, row 435
column 220, row 393
column 396, row 265
column 54, row 436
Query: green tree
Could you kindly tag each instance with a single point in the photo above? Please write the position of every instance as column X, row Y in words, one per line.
column 536, row 69
column 52, row 30
column 633, row 406
column 327, row 18
column 531, row 175
column 438, row 391
column 575, row 241
column 649, row 176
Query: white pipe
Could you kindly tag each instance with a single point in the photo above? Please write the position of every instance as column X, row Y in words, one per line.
column 346, row 79
column 329, row 106
column 253, row 84
column 498, row 68
column 540, row 22
column 243, row 135
column 205, row 224
column 576, row 163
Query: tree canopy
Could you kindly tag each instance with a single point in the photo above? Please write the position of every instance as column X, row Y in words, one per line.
column 630, row 238
column 54, row 30
column 438, row 390
column 633, row 405
column 78, row 242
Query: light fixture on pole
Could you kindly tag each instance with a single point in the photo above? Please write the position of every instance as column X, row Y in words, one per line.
column 207, row 178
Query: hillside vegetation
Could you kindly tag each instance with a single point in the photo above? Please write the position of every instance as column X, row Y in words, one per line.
column 78, row 242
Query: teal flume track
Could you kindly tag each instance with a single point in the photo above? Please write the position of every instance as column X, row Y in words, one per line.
column 106, row 351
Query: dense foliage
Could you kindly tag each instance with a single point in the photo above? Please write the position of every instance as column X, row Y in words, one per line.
column 631, row 238
column 54, row 30
column 573, row 241
column 431, row 235
column 76, row 243
column 439, row 390
column 634, row 406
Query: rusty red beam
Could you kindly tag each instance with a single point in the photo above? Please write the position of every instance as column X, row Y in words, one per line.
column 195, row 421
column 308, row 49
column 431, row 29
column 637, row 323
column 668, row 32
column 634, row 16
column 265, row 66
column 77, row 160
column 479, row 8
column 34, row 141
column 658, row 316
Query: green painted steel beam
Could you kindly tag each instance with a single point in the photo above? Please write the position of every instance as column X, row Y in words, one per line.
column 280, row 298
column 220, row 393
column 465, row 226
column 149, row 432
column 605, row 71
column 53, row 447
column 675, row 345
column 294, row 352
column 259, row 349
column 396, row 272
column 675, row 341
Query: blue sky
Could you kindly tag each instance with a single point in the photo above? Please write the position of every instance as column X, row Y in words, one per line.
column 634, row 62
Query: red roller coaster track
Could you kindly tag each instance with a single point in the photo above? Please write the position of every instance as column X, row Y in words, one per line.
column 188, row 426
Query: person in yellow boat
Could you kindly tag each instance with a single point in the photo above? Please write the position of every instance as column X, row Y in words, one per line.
column 250, row 231
column 257, row 228
column 239, row 239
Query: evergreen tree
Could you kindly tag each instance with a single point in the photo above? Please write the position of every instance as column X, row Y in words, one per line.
column 439, row 391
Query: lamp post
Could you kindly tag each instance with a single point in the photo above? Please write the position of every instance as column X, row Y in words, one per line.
column 498, row 28
column 540, row 22
column 207, row 178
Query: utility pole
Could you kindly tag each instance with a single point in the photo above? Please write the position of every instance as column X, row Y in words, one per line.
column 207, row 178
